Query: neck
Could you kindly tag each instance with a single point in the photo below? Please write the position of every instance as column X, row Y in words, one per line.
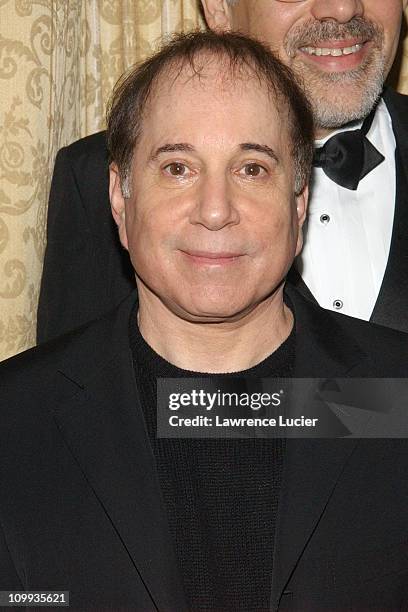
column 226, row 346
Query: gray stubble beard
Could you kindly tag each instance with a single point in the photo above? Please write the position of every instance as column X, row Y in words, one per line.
column 339, row 98
column 332, row 111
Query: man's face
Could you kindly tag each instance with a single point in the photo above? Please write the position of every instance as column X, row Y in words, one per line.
column 212, row 225
column 342, row 49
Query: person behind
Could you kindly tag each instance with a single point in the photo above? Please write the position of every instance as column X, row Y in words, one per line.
column 355, row 254
column 211, row 146
column 354, row 260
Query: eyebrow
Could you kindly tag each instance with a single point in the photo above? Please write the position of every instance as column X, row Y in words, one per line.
column 172, row 148
column 186, row 147
column 253, row 146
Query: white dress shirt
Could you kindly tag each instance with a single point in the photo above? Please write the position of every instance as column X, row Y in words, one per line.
column 348, row 233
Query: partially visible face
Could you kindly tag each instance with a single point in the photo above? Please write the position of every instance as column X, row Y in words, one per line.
column 342, row 49
column 212, row 225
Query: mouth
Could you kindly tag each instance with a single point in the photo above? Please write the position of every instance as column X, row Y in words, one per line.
column 334, row 50
column 336, row 55
column 208, row 258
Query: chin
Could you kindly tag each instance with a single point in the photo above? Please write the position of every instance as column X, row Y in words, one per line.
column 212, row 313
column 344, row 99
column 336, row 116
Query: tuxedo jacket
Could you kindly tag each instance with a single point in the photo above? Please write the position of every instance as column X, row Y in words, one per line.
column 86, row 271
column 81, row 508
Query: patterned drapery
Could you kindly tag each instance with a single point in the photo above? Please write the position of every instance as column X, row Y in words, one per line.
column 58, row 62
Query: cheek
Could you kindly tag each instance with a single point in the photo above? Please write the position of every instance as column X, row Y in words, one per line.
column 277, row 246
column 278, row 228
column 262, row 21
column 392, row 37
column 151, row 236
column 267, row 23
column 390, row 22
column 141, row 239
column 144, row 224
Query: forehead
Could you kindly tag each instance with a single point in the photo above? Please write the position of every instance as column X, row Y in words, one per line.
column 214, row 103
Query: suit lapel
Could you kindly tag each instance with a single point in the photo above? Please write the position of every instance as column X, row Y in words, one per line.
column 103, row 426
column 312, row 467
column 397, row 105
column 391, row 308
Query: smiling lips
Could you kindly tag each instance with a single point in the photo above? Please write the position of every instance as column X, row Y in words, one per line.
column 333, row 51
column 336, row 54
column 208, row 258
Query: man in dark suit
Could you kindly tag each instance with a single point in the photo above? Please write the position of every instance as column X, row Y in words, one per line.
column 211, row 142
column 356, row 248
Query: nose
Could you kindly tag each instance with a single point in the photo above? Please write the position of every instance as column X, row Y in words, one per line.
column 214, row 207
column 341, row 11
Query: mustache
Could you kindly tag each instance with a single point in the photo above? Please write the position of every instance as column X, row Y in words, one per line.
column 313, row 32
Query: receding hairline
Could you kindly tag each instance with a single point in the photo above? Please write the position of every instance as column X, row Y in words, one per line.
column 232, row 80
column 240, row 55
column 205, row 64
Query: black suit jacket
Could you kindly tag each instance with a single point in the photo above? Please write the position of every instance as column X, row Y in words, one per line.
column 86, row 271
column 81, row 508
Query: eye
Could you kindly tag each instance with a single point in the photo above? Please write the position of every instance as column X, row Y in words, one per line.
column 176, row 169
column 252, row 170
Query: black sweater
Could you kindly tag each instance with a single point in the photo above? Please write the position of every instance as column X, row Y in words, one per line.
column 221, row 495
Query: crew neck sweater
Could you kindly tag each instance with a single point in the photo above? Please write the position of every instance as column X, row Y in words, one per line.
column 220, row 495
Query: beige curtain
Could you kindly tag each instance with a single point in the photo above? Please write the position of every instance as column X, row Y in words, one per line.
column 58, row 62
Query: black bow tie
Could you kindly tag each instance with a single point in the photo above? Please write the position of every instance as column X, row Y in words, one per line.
column 347, row 157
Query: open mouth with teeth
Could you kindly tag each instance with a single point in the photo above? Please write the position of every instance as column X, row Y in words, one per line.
column 336, row 55
column 334, row 52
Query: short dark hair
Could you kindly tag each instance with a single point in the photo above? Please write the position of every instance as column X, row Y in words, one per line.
column 131, row 93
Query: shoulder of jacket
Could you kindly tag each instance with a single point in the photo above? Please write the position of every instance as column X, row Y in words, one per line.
column 89, row 146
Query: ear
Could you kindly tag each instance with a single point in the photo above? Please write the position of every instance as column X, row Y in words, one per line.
column 217, row 14
column 117, row 203
column 301, row 209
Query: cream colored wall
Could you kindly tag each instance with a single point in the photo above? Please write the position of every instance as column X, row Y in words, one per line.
column 58, row 62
